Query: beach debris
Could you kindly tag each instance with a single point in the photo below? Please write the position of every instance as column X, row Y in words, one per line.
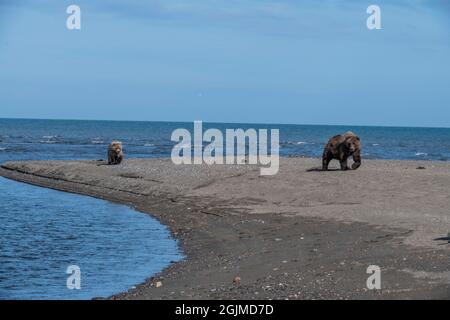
column 131, row 175
column 237, row 280
column 158, row 284
column 420, row 168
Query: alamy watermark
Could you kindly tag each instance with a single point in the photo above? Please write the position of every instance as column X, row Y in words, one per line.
column 73, row 21
column 241, row 147
column 374, row 280
column 374, row 20
column 74, row 279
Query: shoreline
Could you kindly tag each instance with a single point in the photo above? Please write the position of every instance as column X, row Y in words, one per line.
column 297, row 235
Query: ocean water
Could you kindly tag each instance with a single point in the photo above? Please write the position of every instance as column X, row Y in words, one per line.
column 44, row 231
column 57, row 139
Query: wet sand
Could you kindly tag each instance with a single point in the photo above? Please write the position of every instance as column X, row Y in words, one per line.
column 301, row 234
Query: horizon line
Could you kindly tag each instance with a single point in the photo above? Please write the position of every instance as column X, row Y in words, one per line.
column 230, row 122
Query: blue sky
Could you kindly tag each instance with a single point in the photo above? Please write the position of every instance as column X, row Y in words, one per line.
column 266, row 61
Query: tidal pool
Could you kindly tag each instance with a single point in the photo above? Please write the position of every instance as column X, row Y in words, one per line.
column 44, row 232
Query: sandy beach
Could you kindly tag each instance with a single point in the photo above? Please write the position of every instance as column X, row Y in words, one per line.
column 300, row 234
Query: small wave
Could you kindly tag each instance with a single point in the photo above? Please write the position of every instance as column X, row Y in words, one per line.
column 293, row 142
column 149, row 145
column 375, row 144
column 2, row 149
column 97, row 142
column 421, row 154
column 47, row 141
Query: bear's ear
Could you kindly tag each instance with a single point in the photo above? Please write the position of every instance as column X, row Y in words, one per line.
column 357, row 138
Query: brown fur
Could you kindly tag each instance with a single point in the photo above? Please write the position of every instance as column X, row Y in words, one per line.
column 341, row 147
column 115, row 153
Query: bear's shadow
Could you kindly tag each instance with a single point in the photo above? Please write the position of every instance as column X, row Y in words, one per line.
column 447, row 238
column 320, row 169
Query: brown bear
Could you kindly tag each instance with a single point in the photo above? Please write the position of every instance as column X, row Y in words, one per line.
column 115, row 153
column 341, row 147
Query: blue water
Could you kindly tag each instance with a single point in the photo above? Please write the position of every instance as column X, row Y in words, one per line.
column 44, row 231
column 56, row 139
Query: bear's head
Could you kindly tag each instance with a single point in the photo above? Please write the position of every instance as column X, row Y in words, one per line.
column 353, row 143
column 117, row 147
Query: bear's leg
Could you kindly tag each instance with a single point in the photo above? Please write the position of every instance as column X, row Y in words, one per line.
column 110, row 158
column 343, row 162
column 325, row 161
column 357, row 160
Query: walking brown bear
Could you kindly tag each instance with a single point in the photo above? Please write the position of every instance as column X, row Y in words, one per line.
column 341, row 147
column 115, row 153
